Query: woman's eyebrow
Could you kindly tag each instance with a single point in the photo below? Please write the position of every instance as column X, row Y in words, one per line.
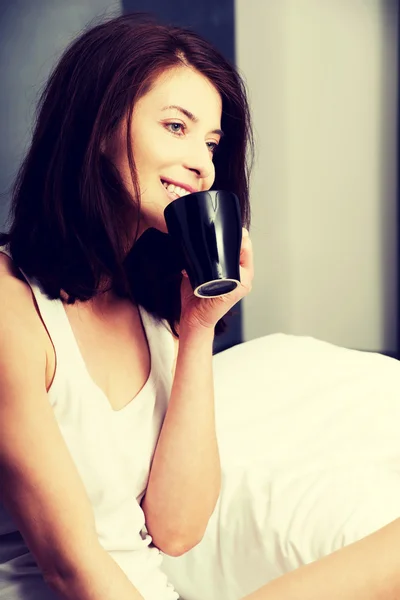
column 191, row 116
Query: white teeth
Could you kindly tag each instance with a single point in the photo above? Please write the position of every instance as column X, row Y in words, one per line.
column 181, row 192
column 175, row 189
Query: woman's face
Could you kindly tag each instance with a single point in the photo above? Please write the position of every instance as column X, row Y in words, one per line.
column 175, row 130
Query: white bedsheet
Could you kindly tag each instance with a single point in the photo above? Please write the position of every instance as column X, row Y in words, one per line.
column 310, row 451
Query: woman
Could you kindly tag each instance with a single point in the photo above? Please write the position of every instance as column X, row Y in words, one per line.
column 108, row 451
column 92, row 298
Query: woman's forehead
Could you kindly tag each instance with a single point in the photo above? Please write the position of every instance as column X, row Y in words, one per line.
column 185, row 87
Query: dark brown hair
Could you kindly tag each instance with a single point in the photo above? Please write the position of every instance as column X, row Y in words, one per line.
column 71, row 218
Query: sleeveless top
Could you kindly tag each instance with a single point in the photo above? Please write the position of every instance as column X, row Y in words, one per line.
column 112, row 451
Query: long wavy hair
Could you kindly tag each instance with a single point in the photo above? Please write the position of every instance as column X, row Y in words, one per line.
column 71, row 217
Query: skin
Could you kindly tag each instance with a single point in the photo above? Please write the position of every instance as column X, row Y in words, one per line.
column 166, row 143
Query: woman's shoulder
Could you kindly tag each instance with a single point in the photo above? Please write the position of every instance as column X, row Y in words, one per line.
column 9, row 269
column 17, row 302
column 14, row 289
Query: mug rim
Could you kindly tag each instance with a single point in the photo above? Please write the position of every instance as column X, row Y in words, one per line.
column 196, row 292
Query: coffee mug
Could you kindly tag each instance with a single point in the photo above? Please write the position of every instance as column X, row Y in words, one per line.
column 207, row 230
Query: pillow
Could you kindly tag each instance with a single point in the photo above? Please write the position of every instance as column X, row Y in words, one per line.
column 308, row 434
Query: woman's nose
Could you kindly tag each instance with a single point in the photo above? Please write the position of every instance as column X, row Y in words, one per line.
column 200, row 162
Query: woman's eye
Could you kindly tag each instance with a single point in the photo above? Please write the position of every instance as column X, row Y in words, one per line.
column 175, row 127
column 212, row 146
column 179, row 129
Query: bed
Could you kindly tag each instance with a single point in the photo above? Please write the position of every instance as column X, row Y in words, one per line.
column 309, row 442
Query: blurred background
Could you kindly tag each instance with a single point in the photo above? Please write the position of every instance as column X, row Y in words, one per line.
column 322, row 77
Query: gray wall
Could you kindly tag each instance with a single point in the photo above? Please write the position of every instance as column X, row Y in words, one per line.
column 33, row 35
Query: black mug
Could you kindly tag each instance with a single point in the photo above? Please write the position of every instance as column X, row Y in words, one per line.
column 207, row 230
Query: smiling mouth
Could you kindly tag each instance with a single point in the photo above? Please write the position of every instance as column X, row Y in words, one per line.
column 173, row 192
column 171, row 195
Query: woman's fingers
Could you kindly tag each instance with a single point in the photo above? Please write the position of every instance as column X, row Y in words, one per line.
column 246, row 260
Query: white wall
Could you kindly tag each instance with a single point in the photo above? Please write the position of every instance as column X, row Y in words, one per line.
column 322, row 76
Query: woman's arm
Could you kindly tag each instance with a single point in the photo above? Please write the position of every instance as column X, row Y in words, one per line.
column 185, row 476
column 96, row 578
column 365, row 570
column 184, row 481
column 40, row 486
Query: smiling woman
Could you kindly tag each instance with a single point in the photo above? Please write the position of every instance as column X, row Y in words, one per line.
column 108, row 450
column 108, row 444
column 173, row 145
column 138, row 119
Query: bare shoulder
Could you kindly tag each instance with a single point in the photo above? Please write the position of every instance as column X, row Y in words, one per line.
column 11, row 279
column 18, row 312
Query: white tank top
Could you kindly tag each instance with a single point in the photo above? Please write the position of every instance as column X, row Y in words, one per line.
column 112, row 451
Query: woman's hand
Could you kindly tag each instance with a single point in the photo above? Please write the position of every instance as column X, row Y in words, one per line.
column 204, row 313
